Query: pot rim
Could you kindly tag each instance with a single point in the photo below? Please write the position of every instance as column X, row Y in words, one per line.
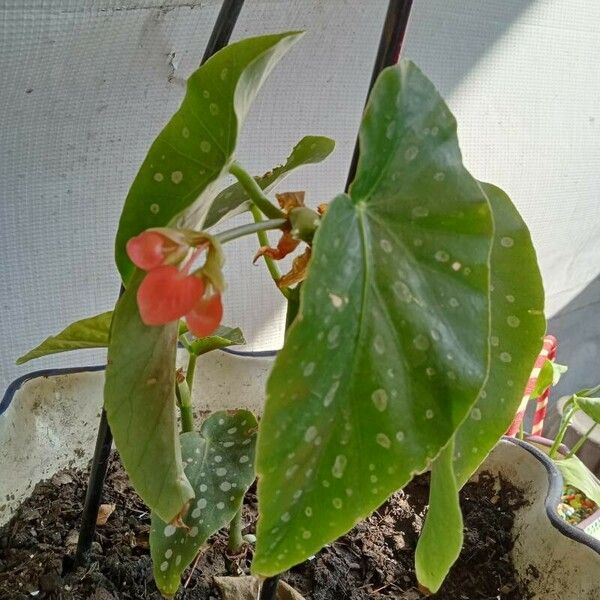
column 15, row 385
column 555, row 486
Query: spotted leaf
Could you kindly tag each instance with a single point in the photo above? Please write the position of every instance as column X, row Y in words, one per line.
column 517, row 328
column 139, row 397
column 390, row 347
column 177, row 180
column 517, row 331
column 234, row 200
column 219, row 463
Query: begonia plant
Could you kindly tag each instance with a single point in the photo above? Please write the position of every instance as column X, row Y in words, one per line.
column 415, row 313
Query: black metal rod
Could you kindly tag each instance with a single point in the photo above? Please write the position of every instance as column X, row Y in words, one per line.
column 219, row 38
column 223, row 28
column 93, row 494
column 390, row 44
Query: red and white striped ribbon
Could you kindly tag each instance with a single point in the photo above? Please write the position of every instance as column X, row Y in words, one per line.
column 548, row 352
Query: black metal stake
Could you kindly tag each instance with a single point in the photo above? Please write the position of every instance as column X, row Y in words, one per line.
column 390, row 44
column 219, row 38
column 93, row 494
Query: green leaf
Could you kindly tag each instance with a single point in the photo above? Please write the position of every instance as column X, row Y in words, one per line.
column 139, row 398
column 234, row 200
column 575, row 473
column 550, row 374
column 590, row 406
column 389, row 349
column 518, row 327
column 87, row 333
column 442, row 534
column 223, row 337
column 179, row 175
column 219, row 463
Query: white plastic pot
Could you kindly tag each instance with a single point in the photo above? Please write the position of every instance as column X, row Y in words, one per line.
column 48, row 421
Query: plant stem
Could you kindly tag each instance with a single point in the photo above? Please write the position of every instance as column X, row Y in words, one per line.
column 249, row 229
column 185, row 406
column 581, row 441
column 191, row 369
column 255, row 192
column 564, row 424
column 235, row 543
column 263, row 240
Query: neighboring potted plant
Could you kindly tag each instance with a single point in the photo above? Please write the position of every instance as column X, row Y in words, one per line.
column 415, row 313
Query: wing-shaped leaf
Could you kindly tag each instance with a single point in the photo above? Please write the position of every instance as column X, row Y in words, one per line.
column 222, row 338
column 590, row 406
column 518, row 326
column 234, row 200
column 86, row 333
column 390, row 347
column 575, row 473
column 177, row 179
column 442, row 534
column 219, row 463
column 139, row 397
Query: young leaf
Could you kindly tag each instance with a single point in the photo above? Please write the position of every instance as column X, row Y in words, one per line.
column 518, row 326
column 389, row 349
column 177, row 179
column 575, row 473
column 86, row 333
column 139, row 398
column 234, row 200
column 219, row 463
column 590, row 406
column 550, row 374
column 222, row 338
column 442, row 534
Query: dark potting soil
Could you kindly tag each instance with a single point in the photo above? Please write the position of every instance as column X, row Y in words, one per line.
column 373, row 561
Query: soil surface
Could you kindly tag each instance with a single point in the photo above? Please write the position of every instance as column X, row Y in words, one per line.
column 373, row 561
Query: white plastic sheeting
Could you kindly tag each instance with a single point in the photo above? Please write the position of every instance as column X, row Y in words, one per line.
column 86, row 86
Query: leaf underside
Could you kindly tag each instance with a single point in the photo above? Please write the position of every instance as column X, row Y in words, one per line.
column 178, row 178
column 389, row 350
column 139, row 398
column 91, row 332
column 234, row 200
column 219, row 463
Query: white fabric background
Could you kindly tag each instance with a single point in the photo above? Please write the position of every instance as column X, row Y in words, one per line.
column 86, row 86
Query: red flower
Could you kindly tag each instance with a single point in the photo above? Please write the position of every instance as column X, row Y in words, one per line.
column 206, row 315
column 152, row 249
column 167, row 294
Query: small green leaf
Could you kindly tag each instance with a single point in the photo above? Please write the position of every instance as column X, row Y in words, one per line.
column 222, row 338
column 590, row 406
column 389, row 349
column 87, row 333
column 518, row 327
column 139, row 397
column 177, row 180
column 234, row 200
column 219, row 463
column 575, row 473
column 442, row 535
column 550, row 374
